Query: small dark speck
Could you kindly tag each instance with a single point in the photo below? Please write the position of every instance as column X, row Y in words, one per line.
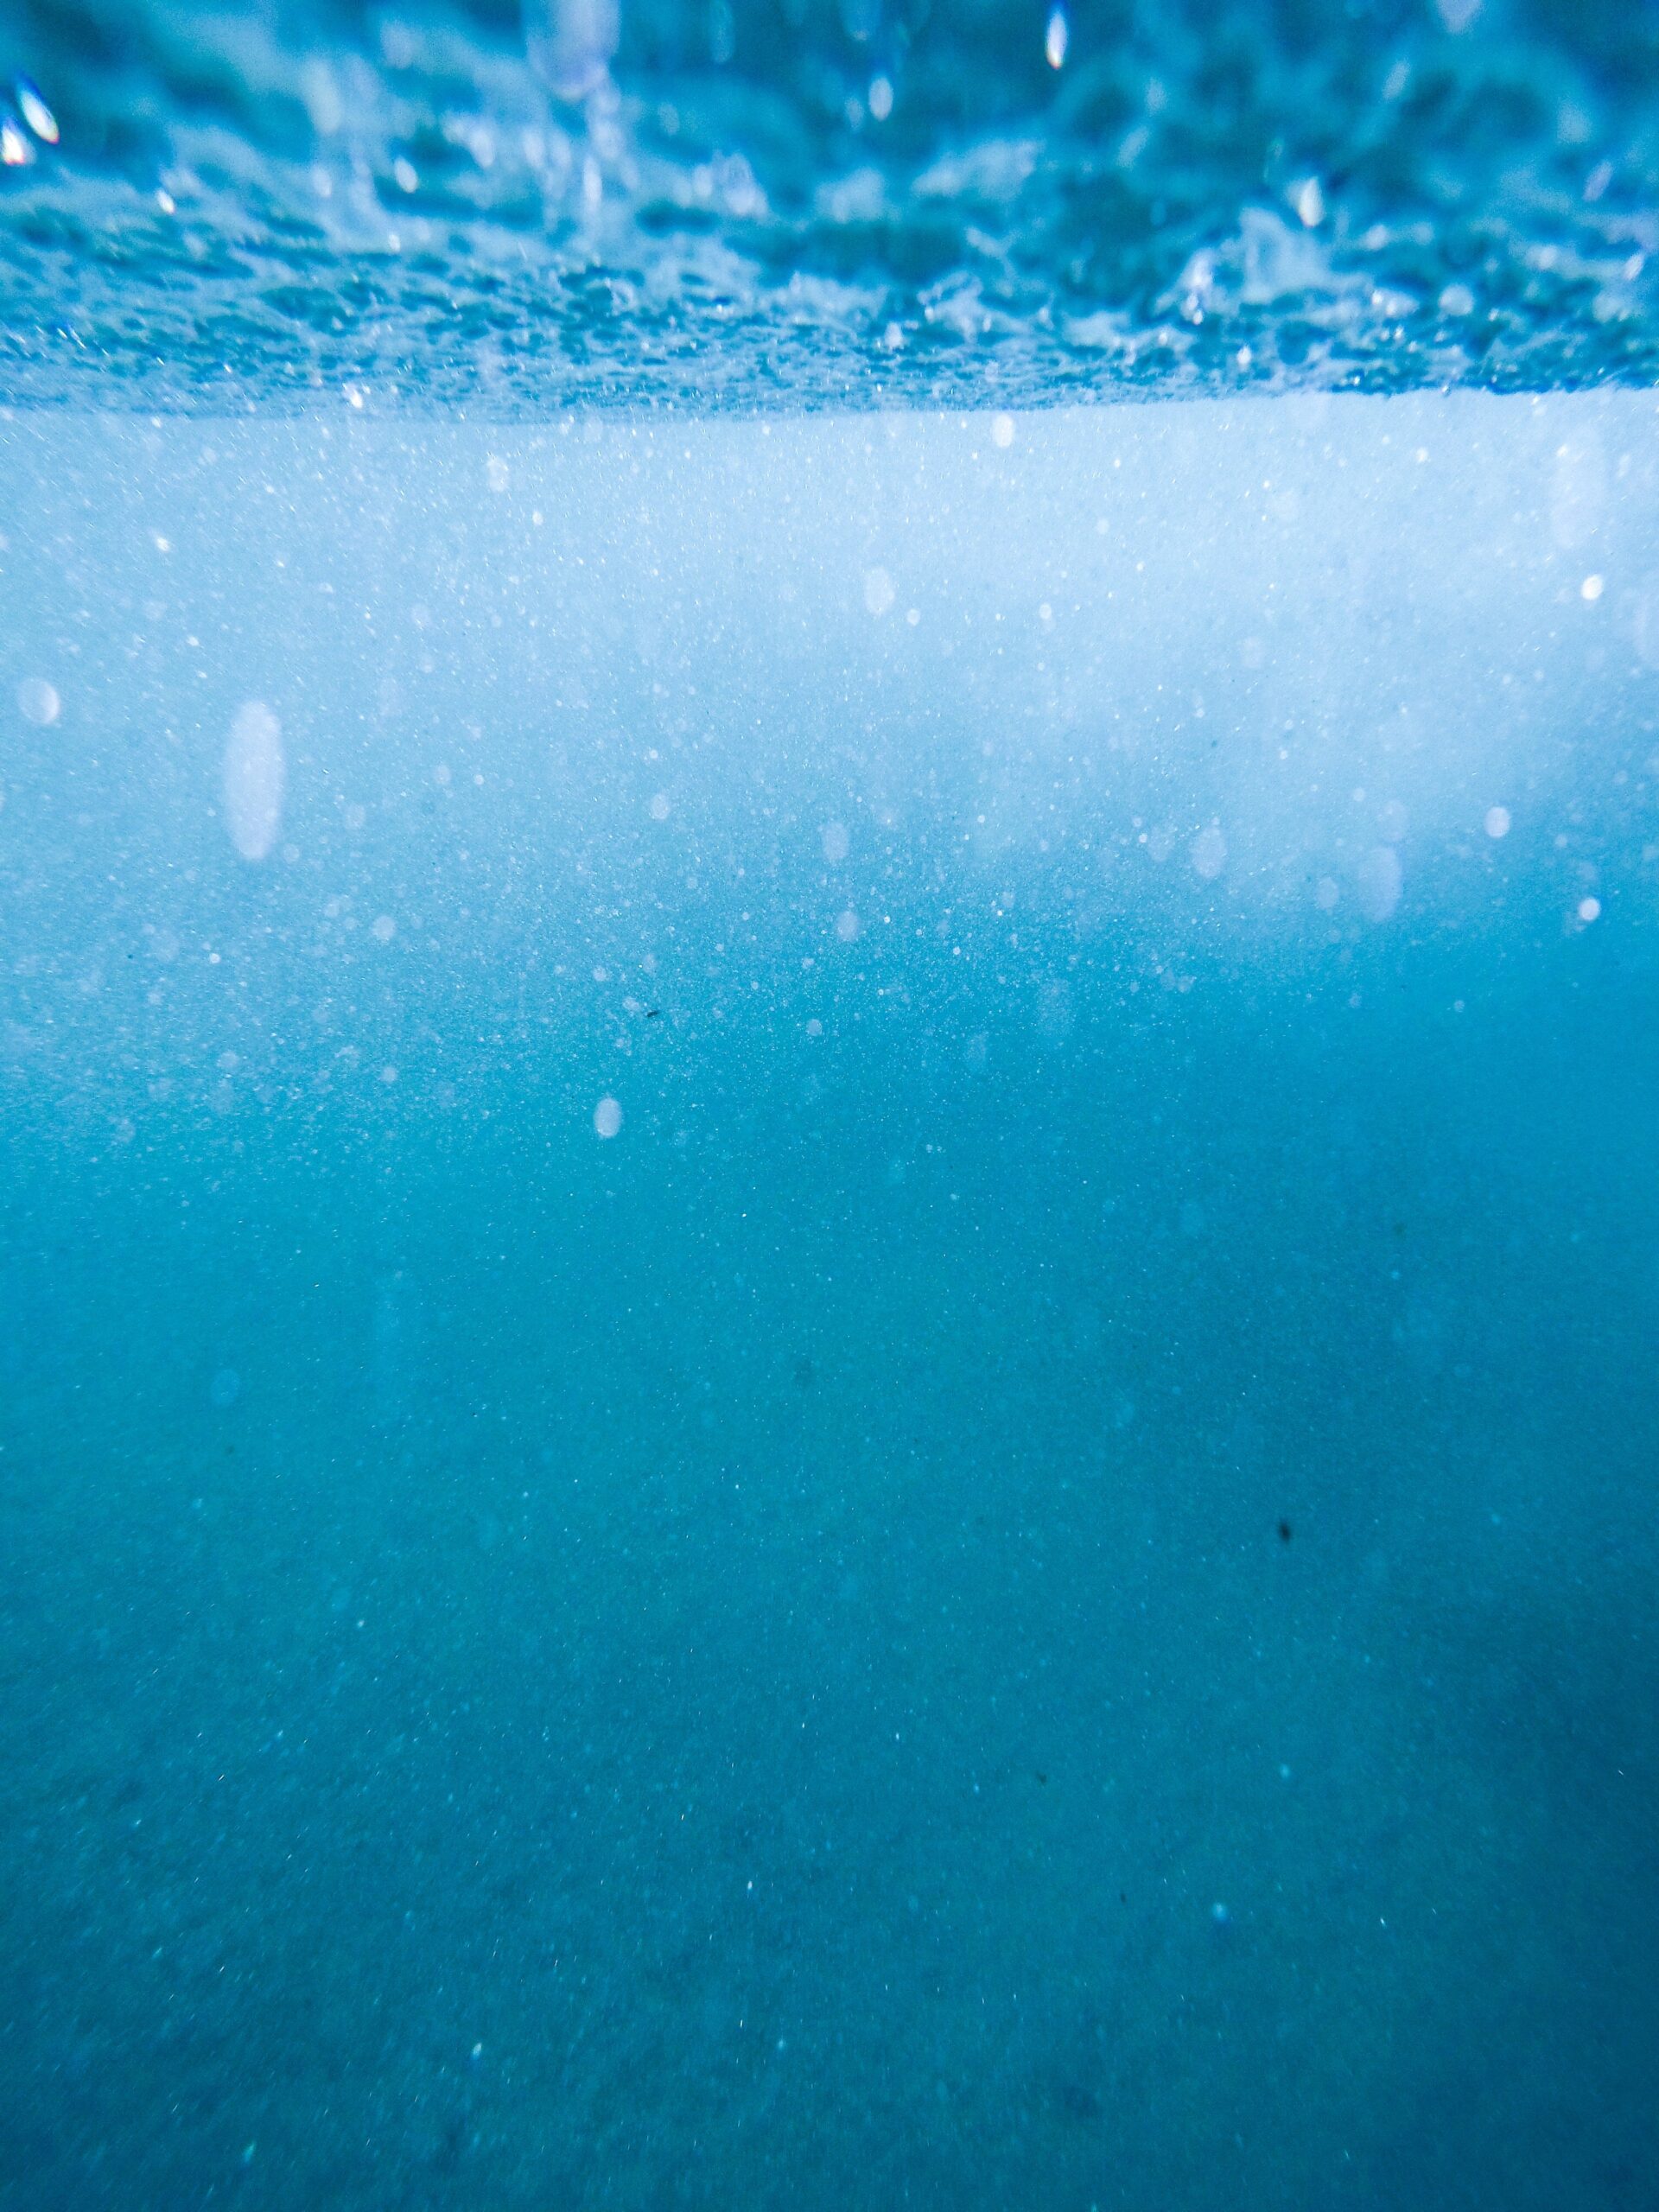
column 804, row 1372
column 1284, row 1532
column 653, row 1013
column 1043, row 1778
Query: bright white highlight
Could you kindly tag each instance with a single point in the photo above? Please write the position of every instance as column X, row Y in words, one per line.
column 607, row 1117
column 36, row 114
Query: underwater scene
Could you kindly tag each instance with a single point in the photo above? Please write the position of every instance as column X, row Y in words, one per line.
column 829, row 1107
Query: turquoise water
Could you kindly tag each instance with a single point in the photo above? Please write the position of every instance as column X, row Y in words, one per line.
column 831, row 1251
column 1033, row 1585
column 810, row 204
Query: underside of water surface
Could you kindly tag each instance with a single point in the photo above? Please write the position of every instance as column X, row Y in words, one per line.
column 757, row 203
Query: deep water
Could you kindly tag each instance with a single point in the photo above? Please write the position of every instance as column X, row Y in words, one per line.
column 1034, row 1585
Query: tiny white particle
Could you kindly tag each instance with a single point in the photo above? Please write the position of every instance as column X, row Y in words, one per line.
column 1002, row 430
column 1592, row 588
column 607, row 1117
column 1589, row 909
column 1498, row 822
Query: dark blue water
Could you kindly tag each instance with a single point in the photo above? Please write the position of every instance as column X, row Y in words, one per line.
column 829, row 1239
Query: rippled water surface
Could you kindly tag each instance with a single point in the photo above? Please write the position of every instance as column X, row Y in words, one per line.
column 749, row 202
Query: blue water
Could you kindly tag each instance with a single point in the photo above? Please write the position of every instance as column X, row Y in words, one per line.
column 802, row 204
column 828, row 1236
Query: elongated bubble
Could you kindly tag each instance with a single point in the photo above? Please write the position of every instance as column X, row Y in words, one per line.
column 256, row 774
column 570, row 43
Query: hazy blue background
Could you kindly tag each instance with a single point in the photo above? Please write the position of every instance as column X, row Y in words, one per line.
column 1035, row 1586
